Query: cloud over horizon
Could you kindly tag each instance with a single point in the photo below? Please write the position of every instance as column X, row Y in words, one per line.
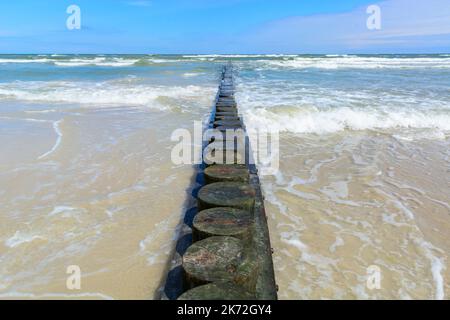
column 405, row 26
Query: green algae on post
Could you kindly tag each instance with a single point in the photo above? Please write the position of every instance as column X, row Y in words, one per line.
column 220, row 260
column 228, row 172
column 227, row 194
column 229, row 123
column 213, row 259
column 223, row 221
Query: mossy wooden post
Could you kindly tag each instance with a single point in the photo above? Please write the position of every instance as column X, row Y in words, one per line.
column 229, row 113
column 225, row 128
column 223, row 152
column 231, row 117
column 227, row 97
column 212, row 259
column 223, row 221
column 228, row 123
column 222, row 173
column 226, row 103
column 235, row 138
column 219, row 260
column 226, row 194
column 227, row 109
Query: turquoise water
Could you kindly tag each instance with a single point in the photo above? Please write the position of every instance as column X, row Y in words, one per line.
column 332, row 93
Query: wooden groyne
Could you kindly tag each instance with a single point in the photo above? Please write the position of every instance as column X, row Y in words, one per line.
column 224, row 250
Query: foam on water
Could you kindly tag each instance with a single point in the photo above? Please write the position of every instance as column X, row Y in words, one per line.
column 62, row 210
column 436, row 266
column 109, row 93
column 15, row 60
column 240, row 56
column 20, row 238
column 58, row 139
column 65, row 61
column 258, row 61
column 356, row 62
column 311, row 102
column 345, row 118
column 116, row 62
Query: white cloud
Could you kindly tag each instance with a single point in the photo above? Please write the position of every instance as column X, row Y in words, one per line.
column 407, row 25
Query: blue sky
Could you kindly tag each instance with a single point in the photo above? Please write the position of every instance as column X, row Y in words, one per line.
column 219, row 26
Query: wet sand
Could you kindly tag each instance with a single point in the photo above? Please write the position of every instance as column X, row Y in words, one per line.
column 95, row 189
column 344, row 202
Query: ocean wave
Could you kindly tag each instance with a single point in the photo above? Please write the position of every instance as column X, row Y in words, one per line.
column 192, row 74
column 14, row 60
column 101, row 61
column 260, row 61
column 338, row 119
column 63, row 61
column 109, row 93
column 105, row 62
column 356, row 62
column 199, row 56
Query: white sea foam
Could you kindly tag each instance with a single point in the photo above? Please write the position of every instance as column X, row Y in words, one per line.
column 21, row 237
column 355, row 62
column 345, row 118
column 98, row 61
column 61, row 209
column 191, row 74
column 25, row 119
column 240, row 56
column 74, row 62
column 338, row 243
column 322, row 263
column 437, row 266
column 58, row 140
column 408, row 213
column 267, row 61
column 43, row 60
column 112, row 93
column 41, row 111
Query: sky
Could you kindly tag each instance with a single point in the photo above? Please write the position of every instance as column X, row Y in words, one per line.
column 226, row 26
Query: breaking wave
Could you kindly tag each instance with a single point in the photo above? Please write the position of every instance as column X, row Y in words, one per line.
column 108, row 93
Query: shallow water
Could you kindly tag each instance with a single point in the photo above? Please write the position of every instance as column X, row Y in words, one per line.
column 86, row 176
column 342, row 204
column 364, row 175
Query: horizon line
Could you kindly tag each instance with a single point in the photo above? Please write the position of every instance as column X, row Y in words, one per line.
column 223, row 54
